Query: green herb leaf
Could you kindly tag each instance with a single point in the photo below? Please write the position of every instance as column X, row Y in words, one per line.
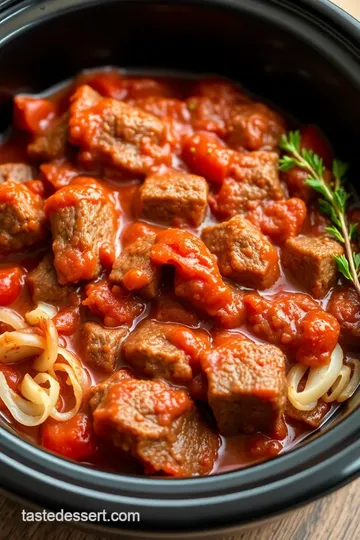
column 356, row 257
column 318, row 185
column 339, row 169
column 353, row 231
column 327, row 209
column 315, row 161
column 287, row 163
column 341, row 198
column 335, row 233
column 291, row 142
column 343, row 266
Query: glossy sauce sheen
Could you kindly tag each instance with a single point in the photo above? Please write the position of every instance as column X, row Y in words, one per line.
column 122, row 189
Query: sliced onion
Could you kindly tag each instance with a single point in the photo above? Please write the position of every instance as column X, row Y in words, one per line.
column 340, row 384
column 11, row 318
column 319, row 381
column 353, row 383
column 78, row 393
column 49, row 355
column 75, row 364
column 40, row 403
column 18, row 346
column 42, row 312
column 294, row 377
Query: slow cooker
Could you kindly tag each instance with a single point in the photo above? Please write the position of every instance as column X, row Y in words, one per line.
column 303, row 55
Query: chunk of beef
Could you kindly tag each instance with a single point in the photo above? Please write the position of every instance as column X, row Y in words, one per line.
column 115, row 133
column 251, row 178
column 173, row 198
column 344, row 305
column 101, row 347
column 52, row 143
column 243, row 253
column 134, row 269
column 253, row 126
column 168, row 351
column 22, row 220
column 246, row 384
column 83, row 223
column 158, row 424
column 313, row 418
column 44, row 285
column 15, row 172
column 310, row 259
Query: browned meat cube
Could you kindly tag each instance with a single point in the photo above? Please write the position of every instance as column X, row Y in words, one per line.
column 15, row 172
column 253, row 177
column 101, row 347
column 344, row 305
column 247, row 384
column 310, row 259
column 22, row 220
column 115, row 133
column 312, row 418
column 253, row 126
column 134, row 270
column 44, row 285
column 243, row 253
column 83, row 223
column 157, row 423
column 168, row 351
column 173, row 198
column 51, row 144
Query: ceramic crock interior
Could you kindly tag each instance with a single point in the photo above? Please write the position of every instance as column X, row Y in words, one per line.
column 208, row 38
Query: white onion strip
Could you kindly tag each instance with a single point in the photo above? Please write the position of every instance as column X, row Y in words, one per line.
column 340, row 384
column 40, row 403
column 17, row 346
column 319, row 381
column 11, row 318
column 36, row 403
column 62, row 416
column 49, row 355
column 353, row 383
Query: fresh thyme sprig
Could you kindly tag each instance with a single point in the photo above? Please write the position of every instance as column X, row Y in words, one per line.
column 333, row 203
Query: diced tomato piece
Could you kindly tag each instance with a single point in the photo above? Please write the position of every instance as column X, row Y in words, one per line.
column 262, row 447
column 11, row 282
column 33, row 114
column 279, row 219
column 12, row 377
column 137, row 230
column 73, row 439
column 319, row 334
column 59, row 174
column 36, row 186
column 197, row 277
column 312, row 138
column 295, row 323
column 206, row 155
column 67, row 321
column 109, row 84
column 114, row 304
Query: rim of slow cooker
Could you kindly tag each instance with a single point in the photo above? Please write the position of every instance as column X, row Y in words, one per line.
column 318, row 466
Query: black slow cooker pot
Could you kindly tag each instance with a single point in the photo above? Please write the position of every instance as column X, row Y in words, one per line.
column 302, row 55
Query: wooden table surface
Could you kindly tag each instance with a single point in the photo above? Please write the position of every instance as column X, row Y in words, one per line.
column 336, row 517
